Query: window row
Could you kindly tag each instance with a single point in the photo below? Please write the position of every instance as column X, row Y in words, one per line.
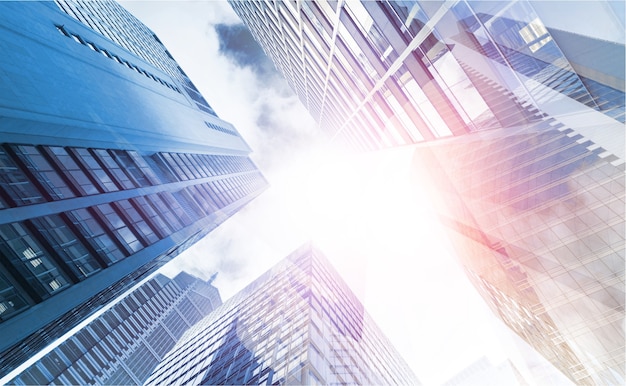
column 185, row 166
column 107, row 54
column 36, row 174
column 47, row 254
column 220, row 128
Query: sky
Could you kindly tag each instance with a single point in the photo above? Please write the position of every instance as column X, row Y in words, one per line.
column 361, row 211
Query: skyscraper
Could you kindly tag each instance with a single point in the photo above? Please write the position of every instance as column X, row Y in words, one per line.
column 111, row 164
column 124, row 344
column 376, row 74
column 298, row 323
column 516, row 110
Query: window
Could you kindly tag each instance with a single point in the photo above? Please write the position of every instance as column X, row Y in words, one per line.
column 114, row 169
column 89, row 163
column 44, row 172
column 16, row 184
column 66, row 244
column 104, row 245
column 29, row 258
column 71, row 170
column 11, row 302
column 119, row 228
column 131, row 167
column 137, row 221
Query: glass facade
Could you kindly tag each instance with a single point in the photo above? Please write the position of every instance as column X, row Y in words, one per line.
column 298, row 324
column 124, row 344
column 111, row 164
column 516, row 110
column 376, row 74
column 537, row 217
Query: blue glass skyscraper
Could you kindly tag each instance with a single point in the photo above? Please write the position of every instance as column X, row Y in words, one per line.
column 111, row 164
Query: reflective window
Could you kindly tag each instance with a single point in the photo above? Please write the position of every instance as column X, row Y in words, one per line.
column 203, row 198
column 150, row 213
column 174, row 167
column 119, row 228
column 114, row 169
column 29, row 258
column 95, row 235
column 188, row 204
column 66, row 244
column 137, row 171
column 357, row 52
column 44, row 172
column 11, row 302
column 175, row 208
column 164, row 211
column 15, row 184
column 72, row 170
column 94, row 169
column 137, row 221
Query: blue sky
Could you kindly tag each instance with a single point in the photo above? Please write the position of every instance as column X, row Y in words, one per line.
column 363, row 212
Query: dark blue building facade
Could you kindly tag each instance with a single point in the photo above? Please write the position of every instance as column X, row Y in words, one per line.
column 111, row 164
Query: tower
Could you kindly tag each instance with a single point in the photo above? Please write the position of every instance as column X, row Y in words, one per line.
column 298, row 323
column 111, row 164
column 516, row 113
column 125, row 343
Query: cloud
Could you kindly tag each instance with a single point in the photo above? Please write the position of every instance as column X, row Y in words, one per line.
column 272, row 103
column 236, row 42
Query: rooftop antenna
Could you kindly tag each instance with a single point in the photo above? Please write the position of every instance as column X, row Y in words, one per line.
column 212, row 278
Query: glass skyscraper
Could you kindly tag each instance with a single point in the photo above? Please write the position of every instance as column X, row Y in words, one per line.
column 124, row 344
column 111, row 164
column 376, row 74
column 298, row 323
column 516, row 110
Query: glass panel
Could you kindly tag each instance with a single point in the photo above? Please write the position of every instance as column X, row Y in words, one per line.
column 165, row 211
column 137, row 221
column 11, row 302
column 124, row 159
column 44, row 172
column 119, row 228
column 15, row 183
column 114, row 169
column 29, row 258
column 93, row 167
column 66, row 244
column 519, row 35
column 72, row 171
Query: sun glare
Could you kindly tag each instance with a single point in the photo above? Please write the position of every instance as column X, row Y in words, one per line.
column 377, row 226
column 363, row 210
